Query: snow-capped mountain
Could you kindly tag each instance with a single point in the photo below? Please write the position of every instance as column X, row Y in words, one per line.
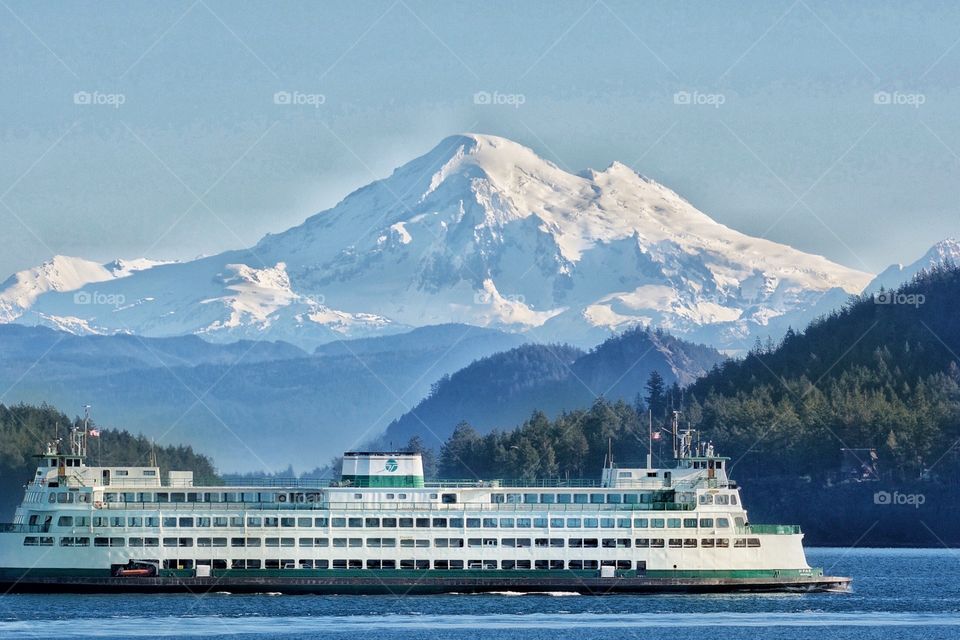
column 60, row 273
column 482, row 231
column 945, row 251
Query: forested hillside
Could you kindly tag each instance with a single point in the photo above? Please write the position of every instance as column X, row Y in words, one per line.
column 880, row 373
column 503, row 389
column 25, row 430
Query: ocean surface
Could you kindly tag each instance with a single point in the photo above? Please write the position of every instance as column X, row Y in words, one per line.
column 897, row 593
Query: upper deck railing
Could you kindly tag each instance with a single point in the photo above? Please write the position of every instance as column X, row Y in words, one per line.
column 500, row 507
column 316, row 483
column 118, row 484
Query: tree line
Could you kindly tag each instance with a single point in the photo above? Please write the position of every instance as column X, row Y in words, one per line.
column 26, row 429
column 876, row 374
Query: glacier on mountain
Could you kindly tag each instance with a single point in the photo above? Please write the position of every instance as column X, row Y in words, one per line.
column 482, row 231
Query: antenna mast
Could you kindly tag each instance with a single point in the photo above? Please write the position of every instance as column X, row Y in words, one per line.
column 650, row 439
column 675, row 427
column 78, row 437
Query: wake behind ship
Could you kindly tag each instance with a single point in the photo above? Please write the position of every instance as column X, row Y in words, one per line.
column 382, row 529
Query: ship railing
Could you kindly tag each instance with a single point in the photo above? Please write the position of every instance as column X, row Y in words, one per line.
column 148, row 483
column 515, row 483
column 430, row 507
column 10, row 527
column 124, row 481
column 119, row 483
column 316, row 483
column 770, row 529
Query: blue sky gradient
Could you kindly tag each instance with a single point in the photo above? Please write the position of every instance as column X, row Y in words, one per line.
column 828, row 126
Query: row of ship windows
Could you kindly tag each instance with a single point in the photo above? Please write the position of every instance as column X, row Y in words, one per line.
column 390, row 543
column 69, row 497
column 648, row 497
column 419, row 565
column 63, row 497
column 389, row 523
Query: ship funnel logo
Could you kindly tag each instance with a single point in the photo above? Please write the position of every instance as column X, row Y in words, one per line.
column 391, row 465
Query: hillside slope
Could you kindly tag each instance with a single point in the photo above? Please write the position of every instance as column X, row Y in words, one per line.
column 502, row 390
column 881, row 373
column 250, row 405
column 25, row 430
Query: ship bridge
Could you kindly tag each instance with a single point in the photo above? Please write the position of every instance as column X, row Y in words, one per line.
column 382, row 469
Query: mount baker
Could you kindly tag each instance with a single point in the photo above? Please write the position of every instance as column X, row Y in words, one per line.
column 480, row 230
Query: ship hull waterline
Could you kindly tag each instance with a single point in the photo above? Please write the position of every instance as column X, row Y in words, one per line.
column 382, row 585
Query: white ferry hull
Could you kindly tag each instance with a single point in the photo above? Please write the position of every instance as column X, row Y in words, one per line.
column 382, row 529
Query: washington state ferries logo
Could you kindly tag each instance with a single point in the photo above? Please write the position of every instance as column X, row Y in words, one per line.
column 391, row 465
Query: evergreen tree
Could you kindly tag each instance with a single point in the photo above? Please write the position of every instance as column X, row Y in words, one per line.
column 455, row 456
column 656, row 396
column 416, row 445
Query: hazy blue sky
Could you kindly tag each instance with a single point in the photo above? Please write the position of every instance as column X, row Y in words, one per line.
column 198, row 158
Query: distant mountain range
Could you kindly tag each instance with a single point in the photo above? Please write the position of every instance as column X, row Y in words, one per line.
column 263, row 405
column 336, row 328
column 943, row 253
column 480, row 231
column 250, row 404
column 502, row 390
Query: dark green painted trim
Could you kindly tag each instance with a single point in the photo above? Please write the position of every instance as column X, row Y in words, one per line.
column 735, row 573
column 383, row 482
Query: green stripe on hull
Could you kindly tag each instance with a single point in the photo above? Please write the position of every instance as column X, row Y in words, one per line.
column 384, row 482
column 735, row 573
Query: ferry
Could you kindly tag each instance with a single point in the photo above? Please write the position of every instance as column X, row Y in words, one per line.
column 382, row 529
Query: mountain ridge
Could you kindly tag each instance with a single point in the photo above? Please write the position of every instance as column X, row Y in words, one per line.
column 479, row 230
column 247, row 403
column 503, row 389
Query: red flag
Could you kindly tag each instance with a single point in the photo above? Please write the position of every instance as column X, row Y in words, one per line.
column 94, row 433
